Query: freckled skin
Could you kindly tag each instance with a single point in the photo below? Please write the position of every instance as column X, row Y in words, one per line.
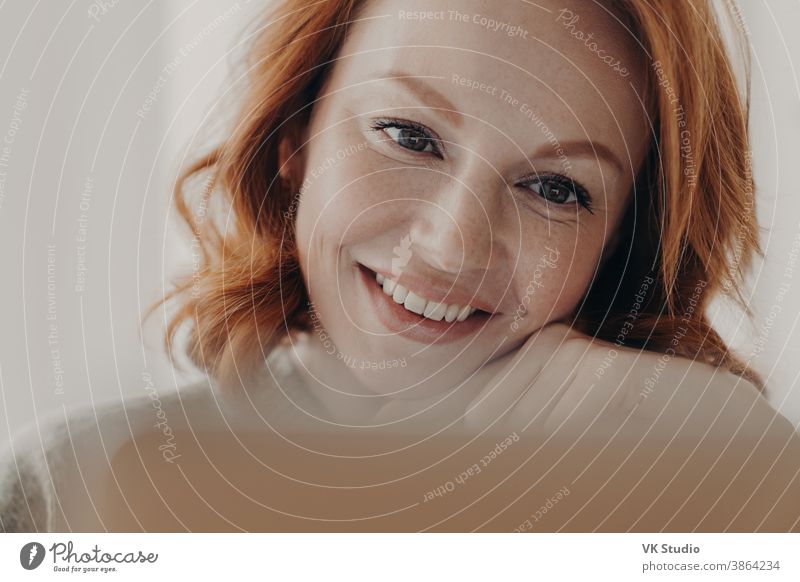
column 473, row 215
column 696, row 452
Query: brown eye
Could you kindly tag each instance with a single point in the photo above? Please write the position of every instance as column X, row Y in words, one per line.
column 553, row 192
column 410, row 136
column 559, row 190
column 411, row 139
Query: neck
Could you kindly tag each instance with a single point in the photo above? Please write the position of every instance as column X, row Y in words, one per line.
column 345, row 397
column 341, row 394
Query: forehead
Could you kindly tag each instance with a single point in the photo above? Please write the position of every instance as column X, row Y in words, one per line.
column 570, row 62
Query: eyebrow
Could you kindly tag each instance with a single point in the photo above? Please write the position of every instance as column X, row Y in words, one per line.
column 580, row 149
column 417, row 85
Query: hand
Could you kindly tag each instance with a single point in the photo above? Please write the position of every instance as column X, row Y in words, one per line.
column 563, row 381
column 514, row 383
column 513, row 370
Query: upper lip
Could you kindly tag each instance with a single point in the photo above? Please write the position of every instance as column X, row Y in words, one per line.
column 433, row 289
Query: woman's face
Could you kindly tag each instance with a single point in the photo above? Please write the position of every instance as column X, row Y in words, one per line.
column 464, row 172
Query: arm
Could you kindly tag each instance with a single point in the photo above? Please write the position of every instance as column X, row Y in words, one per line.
column 687, row 445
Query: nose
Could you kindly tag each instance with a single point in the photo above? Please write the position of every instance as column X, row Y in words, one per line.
column 453, row 230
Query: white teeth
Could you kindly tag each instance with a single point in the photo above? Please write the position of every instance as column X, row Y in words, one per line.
column 415, row 303
column 433, row 310
column 464, row 313
column 451, row 313
column 399, row 294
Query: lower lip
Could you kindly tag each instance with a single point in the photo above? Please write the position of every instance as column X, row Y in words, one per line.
column 397, row 319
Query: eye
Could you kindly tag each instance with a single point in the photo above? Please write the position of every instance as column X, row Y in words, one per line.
column 559, row 190
column 409, row 135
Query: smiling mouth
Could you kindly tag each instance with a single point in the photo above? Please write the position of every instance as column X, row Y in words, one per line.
column 410, row 315
column 435, row 310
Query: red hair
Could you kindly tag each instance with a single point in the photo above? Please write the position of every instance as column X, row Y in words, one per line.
column 690, row 229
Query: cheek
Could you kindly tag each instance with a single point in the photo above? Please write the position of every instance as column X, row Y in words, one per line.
column 345, row 208
column 558, row 273
column 328, row 197
column 352, row 199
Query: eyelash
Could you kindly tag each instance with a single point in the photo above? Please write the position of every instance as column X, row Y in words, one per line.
column 389, row 123
column 581, row 195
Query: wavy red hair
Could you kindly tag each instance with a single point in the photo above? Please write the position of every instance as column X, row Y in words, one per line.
column 685, row 230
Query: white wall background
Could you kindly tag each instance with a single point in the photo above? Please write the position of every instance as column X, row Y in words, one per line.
column 86, row 79
column 88, row 71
